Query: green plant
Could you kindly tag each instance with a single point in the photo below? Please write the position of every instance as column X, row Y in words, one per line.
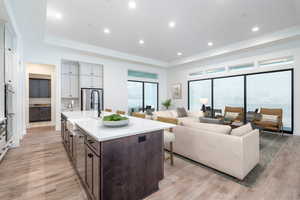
column 167, row 103
column 114, row 117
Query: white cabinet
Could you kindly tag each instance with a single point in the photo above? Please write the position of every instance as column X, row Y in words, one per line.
column 97, row 70
column 74, row 83
column 90, row 82
column 91, row 75
column 85, row 82
column 69, row 86
column 97, row 82
column 70, row 68
column 86, row 69
column 65, row 86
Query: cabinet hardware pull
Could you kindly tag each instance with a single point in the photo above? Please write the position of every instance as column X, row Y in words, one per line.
column 90, row 155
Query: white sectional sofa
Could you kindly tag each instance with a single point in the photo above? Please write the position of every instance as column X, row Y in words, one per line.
column 214, row 146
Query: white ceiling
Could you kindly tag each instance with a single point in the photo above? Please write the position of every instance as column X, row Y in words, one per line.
column 197, row 22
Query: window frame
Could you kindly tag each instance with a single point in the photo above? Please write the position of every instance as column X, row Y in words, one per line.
column 143, row 96
column 245, row 90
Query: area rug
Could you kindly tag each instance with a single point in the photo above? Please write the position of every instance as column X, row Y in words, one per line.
column 270, row 144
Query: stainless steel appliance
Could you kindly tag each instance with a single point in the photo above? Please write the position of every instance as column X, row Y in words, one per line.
column 91, row 99
column 9, row 112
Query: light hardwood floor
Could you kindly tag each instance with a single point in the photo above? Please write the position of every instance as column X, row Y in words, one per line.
column 40, row 170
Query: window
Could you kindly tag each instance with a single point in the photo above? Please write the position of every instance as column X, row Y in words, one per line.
column 276, row 62
column 151, row 92
column 199, row 90
column 241, row 67
column 215, row 70
column 140, row 74
column 262, row 90
column 228, row 92
column 196, row 73
column 271, row 90
column 135, row 95
column 142, row 94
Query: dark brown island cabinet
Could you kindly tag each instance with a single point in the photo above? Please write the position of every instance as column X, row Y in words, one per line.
column 127, row 168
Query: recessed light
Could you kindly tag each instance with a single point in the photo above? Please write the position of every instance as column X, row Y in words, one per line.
column 172, row 24
column 54, row 15
column 141, row 41
column 106, row 31
column 210, row 44
column 255, row 29
column 179, row 54
column 58, row 16
column 132, row 4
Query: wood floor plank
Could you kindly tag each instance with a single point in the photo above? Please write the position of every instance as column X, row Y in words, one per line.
column 41, row 170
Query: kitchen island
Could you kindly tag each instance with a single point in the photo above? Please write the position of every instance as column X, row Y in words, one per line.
column 115, row 163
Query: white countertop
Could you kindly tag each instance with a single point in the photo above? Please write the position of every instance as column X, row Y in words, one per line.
column 88, row 121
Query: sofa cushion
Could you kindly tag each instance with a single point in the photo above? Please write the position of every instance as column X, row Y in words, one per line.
column 195, row 114
column 215, row 128
column 174, row 113
column 187, row 120
column 210, row 120
column 240, row 131
column 269, row 118
column 164, row 113
column 181, row 112
column 231, row 116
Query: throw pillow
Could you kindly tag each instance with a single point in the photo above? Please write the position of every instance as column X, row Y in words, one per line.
column 181, row 112
column 231, row 116
column 269, row 118
column 242, row 130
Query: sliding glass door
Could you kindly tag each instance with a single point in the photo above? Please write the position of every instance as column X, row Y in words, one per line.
column 199, row 90
column 271, row 90
column 151, row 95
column 248, row 91
column 141, row 95
column 228, row 92
column 135, row 95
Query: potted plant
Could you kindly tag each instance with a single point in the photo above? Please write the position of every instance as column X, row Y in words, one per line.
column 167, row 103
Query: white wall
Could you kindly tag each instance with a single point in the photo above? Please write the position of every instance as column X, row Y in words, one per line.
column 179, row 74
column 42, row 70
column 115, row 73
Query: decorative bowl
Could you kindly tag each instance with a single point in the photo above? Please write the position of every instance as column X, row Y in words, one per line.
column 115, row 120
column 116, row 123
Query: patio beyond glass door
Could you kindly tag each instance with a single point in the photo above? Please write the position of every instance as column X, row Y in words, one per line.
column 228, row 92
column 135, row 96
column 199, row 90
column 151, row 92
column 271, row 90
column 141, row 95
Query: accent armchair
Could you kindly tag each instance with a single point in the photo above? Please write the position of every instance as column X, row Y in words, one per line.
column 271, row 119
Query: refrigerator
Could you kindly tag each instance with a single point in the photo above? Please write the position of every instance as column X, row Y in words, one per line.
column 91, row 98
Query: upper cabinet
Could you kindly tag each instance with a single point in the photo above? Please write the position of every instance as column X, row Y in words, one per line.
column 91, row 75
column 77, row 75
column 69, row 79
column 70, row 67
